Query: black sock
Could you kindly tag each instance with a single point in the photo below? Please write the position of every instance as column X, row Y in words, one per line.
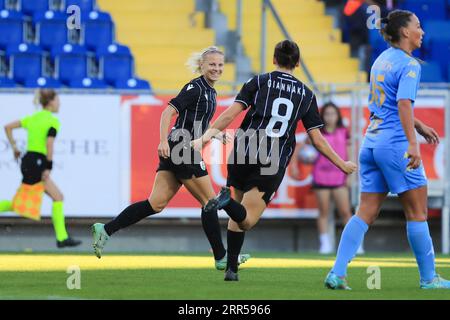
column 235, row 240
column 236, row 211
column 132, row 214
column 211, row 226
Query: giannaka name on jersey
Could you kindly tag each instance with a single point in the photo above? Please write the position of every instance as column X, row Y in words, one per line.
column 288, row 87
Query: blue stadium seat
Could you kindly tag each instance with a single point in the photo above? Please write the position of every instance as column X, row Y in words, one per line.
column 88, row 83
column 11, row 28
column 42, row 82
column 116, row 63
column 440, row 52
column 25, row 61
column 98, row 29
column 7, row 83
column 2, row 4
column 70, row 62
column 427, row 9
column 436, row 30
column 132, row 84
column 51, row 28
column 85, row 5
column 377, row 43
column 29, row 7
column 432, row 72
column 448, row 73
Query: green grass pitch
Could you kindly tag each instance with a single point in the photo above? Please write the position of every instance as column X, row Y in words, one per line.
column 192, row 276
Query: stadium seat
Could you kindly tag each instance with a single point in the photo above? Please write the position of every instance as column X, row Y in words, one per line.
column 51, row 29
column 436, row 30
column 133, row 84
column 2, row 4
column 448, row 73
column 427, row 9
column 7, row 83
column 70, row 62
column 377, row 43
column 88, row 83
column 42, row 82
column 98, row 29
column 85, row 5
column 116, row 63
column 29, row 7
column 432, row 72
column 11, row 28
column 440, row 52
column 25, row 61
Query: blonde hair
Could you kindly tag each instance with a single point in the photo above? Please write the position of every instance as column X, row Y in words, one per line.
column 195, row 60
column 43, row 97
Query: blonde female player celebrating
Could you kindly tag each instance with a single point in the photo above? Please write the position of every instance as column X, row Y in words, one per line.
column 276, row 101
column 37, row 163
column 179, row 164
column 390, row 157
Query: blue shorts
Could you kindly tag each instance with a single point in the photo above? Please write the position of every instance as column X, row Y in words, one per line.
column 384, row 170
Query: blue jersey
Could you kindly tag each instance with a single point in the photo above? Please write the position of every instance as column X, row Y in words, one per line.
column 395, row 75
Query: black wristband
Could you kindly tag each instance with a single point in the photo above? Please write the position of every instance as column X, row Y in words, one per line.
column 49, row 165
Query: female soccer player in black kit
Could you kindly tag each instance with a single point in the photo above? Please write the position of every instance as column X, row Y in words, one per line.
column 264, row 144
column 179, row 164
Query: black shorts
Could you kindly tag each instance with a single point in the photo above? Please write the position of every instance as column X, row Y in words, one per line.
column 188, row 162
column 321, row 186
column 245, row 177
column 32, row 166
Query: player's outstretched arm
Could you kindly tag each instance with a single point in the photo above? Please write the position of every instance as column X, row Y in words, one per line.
column 8, row 130
column 322, row 145
column 221, row 123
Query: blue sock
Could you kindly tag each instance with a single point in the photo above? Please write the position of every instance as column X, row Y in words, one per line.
column 420, row 241
column 351, row 239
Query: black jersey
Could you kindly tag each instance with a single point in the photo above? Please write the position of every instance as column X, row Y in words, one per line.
column 276, row 102
column 195, row 104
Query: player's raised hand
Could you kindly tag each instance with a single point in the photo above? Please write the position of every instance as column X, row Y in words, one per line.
column 413, row 154
column 349, row 167
column 164, row 149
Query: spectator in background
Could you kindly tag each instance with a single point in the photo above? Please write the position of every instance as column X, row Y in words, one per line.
column 328, row 181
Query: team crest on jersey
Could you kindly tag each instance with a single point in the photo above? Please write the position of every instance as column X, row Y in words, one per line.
column 411, row 74
column 189, row 87
column 202, row 165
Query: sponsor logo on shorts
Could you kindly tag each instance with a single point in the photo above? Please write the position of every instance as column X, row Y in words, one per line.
column 202, row 165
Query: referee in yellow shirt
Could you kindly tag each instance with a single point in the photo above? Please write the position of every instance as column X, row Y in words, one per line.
column 36, row 165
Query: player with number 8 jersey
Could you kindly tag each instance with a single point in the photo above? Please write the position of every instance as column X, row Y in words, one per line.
column 275, row 102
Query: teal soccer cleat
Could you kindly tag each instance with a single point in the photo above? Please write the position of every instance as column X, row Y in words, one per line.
column 220, row 201
column 222, row 263
column 335, row 282
column 436, row 283
column 100, row 238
